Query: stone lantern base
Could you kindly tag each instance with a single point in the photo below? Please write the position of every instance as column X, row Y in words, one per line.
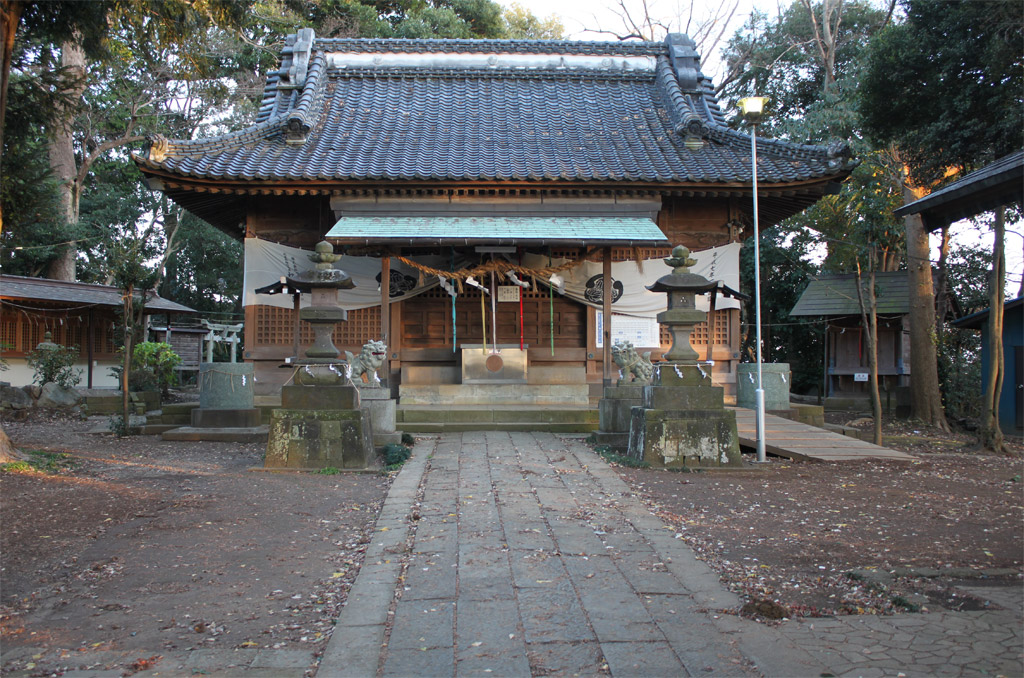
column 319, row 427
column 683, row 422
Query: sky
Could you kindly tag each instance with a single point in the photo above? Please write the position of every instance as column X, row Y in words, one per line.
column 578, row 16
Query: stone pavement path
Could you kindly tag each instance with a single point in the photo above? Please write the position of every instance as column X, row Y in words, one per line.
column 529, row 557
column 519, row 554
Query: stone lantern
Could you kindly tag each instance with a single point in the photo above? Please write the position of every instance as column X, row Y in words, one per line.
column 683, row 421
column 322, row 283
column 321, row 423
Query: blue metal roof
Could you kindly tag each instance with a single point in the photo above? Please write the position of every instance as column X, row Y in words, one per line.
column 567, row 230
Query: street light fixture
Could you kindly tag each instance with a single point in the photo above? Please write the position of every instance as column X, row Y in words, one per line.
column 752, row 109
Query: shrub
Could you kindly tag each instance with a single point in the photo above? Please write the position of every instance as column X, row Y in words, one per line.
column 54, row 363
column 160, row 360
column 395, row 455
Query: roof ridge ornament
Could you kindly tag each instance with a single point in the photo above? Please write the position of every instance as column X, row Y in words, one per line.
column 159, row 147
column 685, row 60
column 297, row 51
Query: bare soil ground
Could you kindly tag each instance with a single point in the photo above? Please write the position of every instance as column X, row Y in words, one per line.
column 141, row 544
column 138, row 544
column 866, row 537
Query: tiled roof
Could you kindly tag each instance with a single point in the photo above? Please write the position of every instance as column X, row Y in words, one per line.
column 835, row 295
column 44, row 289
column 623, row 231
column 490, row 110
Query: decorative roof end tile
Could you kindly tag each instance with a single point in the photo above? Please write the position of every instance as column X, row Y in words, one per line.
column 294, row 66
column 682, row 52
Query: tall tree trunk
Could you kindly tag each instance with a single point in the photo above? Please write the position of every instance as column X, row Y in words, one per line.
column 8, row 452
column 991, row 433
column 62, row 152
column 869, row 319
column 942, row 283
column 10, row 17
column 925, row 395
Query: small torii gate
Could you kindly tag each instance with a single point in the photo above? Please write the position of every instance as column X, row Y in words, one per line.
column 220, row 333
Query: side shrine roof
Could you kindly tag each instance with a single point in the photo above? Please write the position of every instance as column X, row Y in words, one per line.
column 86, row 294
column 997, row 184
column 836, row 295
column 340, row 114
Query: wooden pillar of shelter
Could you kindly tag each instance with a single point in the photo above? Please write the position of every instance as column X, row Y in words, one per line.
column 606, row 311
column 90, row 347
column 385, row 316
column 297, row 331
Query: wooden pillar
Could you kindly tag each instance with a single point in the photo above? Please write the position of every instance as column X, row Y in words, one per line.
column 385, row 316
column 90, row 349
column 606, row 326
column 297, row 331
column 711, row 325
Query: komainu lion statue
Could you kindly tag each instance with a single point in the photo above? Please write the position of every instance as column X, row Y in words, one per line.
column 633, row 367
column 366, row 363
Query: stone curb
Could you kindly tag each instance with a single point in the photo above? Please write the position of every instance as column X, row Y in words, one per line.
column 354, row 647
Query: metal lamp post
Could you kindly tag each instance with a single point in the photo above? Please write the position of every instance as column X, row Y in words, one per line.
column 752, row 109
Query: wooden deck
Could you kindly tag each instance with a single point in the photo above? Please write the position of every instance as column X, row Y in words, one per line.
column 791, row 439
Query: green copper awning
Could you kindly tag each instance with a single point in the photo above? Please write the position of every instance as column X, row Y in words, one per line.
column 626, row 231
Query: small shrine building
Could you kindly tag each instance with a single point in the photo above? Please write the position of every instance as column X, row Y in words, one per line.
column 497, row 186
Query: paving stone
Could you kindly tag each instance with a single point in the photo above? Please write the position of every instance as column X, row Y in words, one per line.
column 553, row 615
column 642, row 659
column 565, row 659
column 438, row 582
column 428, row 625
column 419, row 662
column 282, row 659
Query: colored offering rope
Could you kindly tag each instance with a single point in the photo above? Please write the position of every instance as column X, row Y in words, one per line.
column 551, row 310
column 483, row 319
column 455, row 330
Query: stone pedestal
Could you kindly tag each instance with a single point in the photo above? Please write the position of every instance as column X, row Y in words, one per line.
column 683, row 422
column 615, row 414
column 225, row 397
column 320, row 426
column 382, row 408
column 775, row 378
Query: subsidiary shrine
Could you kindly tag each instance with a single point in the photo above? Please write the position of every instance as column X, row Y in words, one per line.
column 495, row 202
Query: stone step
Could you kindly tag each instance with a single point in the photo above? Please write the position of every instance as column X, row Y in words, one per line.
column 222, row 435
column 157, row 429
column 179, row 408
column 419, row 419
column 450, row 427
column 495, row 395
column 503, row 415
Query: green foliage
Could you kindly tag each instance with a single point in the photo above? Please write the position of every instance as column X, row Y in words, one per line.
column 521, row 24
column 40, row 461
column 121, row 427
column 329, row 471
column 205, row 271
column 160, row 360
column 54, row 364
column 777, row 57
column 945, row 85
column 407, row 439
column 786, row 270
column 395, row 455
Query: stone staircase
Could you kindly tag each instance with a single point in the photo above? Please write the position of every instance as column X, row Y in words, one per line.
column 450, row 418
column 169, row 417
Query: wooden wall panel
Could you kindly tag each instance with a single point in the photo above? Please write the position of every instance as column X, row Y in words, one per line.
column 427, row 321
